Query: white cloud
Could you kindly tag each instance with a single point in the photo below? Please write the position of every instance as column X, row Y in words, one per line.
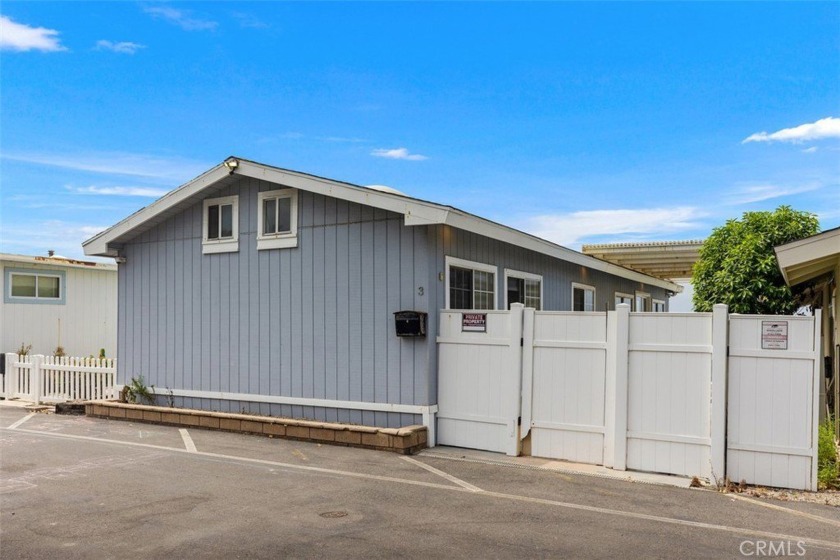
column 119, row 191
column 249, row 21
column 20, row 37
column 352, row 140
column 570, row 229
column 65, row 238
column 828, row 127
column 810, row 150
column 337, row 139
column 157, row 168
column 123, row 47
column 756, row 193
column 180, row 18
column 397, row 153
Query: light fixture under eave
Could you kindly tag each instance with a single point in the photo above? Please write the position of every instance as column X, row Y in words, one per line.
column 232, row 164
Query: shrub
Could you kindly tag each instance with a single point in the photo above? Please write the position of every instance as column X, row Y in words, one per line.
column 828, row 466
column 136, row 392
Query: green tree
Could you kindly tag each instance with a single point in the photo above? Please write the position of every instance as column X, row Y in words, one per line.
column 737, row 265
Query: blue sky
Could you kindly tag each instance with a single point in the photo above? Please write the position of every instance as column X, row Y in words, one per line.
column 579, row 122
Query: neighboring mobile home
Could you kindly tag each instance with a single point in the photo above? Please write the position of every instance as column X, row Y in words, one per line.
column 51, row 302
column 811, row 267
column 272, row 291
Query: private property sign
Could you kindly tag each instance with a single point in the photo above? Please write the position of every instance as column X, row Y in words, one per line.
column 774, row 335
column 474, row 322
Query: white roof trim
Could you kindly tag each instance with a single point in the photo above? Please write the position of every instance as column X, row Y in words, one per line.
column 807, row 258
column 416, row 212
column 98, row 245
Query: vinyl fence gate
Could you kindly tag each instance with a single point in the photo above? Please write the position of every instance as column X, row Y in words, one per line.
column 705, row 394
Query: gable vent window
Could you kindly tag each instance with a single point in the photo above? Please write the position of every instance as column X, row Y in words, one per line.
column 277, row 219
column 221, row 225
column 471, row 285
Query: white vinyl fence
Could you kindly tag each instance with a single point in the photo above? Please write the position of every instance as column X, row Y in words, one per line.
column 481, row 407
column 641, row 391
column 58, row 379
column 773, row 401
column 566, row 410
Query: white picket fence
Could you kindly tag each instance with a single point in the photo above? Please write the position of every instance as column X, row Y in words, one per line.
column 705, row 394
column 59, row 379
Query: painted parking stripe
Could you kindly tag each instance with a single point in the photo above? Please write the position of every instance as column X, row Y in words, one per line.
column 829, row 545
column 188, row 442
column 758, row 502
column 440, row 473
column 21, row 421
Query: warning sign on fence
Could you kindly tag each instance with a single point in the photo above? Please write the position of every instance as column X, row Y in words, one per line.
column 474, row 322
column 774, row 335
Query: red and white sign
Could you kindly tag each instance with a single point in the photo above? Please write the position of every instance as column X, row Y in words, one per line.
column 774, row 335
column 474, row 322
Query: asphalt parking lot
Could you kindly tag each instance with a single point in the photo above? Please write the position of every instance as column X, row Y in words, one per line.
column 77, row 487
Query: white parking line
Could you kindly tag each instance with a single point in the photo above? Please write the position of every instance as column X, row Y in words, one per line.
column 447, row 476
column 21, row 421
column 188, row 442
column 829, row 545
column 758, row 502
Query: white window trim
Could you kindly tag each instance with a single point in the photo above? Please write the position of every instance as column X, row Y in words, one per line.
column 461, row 263
column 655, row 301
column 585, row 287
column 278, row 240
column 230, row 245
column 643, row 295
column 625, row 295
column 510, row 273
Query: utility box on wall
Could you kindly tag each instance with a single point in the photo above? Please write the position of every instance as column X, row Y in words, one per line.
column 410, row 323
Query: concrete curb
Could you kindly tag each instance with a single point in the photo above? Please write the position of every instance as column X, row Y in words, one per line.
column 406, row 441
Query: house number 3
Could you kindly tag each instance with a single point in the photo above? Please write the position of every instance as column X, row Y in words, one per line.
column 420, row 291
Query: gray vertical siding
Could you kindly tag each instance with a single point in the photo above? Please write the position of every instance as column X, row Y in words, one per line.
column 313, row 321
column 557, row 275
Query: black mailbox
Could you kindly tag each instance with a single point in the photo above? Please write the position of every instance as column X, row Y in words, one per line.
column 410, row 323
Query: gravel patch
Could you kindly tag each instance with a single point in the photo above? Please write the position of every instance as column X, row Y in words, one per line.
column 823, row 497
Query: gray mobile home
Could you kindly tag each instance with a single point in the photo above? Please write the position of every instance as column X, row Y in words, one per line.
column 258, row 289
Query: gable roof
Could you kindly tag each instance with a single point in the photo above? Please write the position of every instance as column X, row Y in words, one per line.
column 416, row 212
column 810, row 257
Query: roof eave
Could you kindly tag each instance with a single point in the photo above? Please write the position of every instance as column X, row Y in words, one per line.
column 507, row 234
column 415, row 212
column 101, row 245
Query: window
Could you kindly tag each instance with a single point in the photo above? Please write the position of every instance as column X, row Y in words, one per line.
column 221, row 225
column 277, row 219
column 642, row 302
column 523, row 287
column 583, row 297
column 471, row 285
column 623, row 298
column 659, row 306
column 31, row 286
